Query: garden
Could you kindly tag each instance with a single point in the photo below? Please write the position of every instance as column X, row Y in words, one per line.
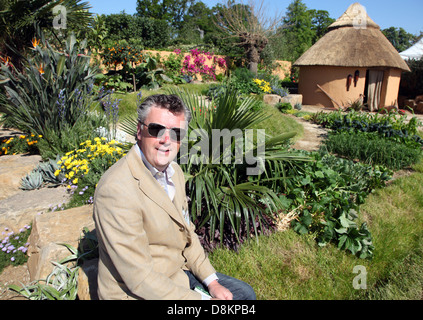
column 295, row 229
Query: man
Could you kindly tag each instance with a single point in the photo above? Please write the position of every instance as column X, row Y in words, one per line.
column 148, row 248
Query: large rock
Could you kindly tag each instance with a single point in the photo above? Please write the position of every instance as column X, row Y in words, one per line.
column 21, row 208
column 271, row 99
column 12, row 169
column 49, row 231
column 293, row 99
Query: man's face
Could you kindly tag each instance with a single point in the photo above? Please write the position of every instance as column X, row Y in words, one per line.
column 162, row 150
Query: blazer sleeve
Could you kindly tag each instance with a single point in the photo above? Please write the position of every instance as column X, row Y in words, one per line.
column 120, row 227
column 197, row 260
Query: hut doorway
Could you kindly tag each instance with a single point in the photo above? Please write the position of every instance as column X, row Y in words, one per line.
column 373, row 88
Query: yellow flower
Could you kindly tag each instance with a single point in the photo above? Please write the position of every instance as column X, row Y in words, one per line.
column 56, row 173
column 75, row 181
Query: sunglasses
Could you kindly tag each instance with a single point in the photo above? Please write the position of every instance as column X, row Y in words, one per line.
column 157, row 130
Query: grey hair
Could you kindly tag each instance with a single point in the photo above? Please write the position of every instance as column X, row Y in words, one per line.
column 170, row 102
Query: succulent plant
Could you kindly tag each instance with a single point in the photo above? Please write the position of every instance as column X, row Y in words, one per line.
column 43, row 173
column 32, row 181
column 48, row 169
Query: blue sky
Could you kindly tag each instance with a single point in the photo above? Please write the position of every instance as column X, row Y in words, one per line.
column 406, row 14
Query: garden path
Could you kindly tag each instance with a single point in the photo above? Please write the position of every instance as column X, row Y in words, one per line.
column 313, row 133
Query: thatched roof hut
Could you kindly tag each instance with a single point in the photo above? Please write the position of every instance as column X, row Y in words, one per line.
column 354, row 60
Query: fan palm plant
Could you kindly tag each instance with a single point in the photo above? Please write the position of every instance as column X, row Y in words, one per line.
column 225, row 191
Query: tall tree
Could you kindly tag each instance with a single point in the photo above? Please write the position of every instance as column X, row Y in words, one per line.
column 149, row 32
column 250, row 26
column 198, row 24
column 172, row 11
column 399, row 38
column 298, row 28
column 320, row 21
column 301, row 29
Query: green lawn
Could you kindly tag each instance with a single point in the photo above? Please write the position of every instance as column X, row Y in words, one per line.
column 288, row 266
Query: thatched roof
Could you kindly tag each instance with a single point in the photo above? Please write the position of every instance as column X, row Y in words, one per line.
column 354, row 40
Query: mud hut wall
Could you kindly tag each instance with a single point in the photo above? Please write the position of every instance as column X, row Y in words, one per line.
column 334, row 81
column 390, row 89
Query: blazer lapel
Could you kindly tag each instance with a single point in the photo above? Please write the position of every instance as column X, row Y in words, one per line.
column 151, row 188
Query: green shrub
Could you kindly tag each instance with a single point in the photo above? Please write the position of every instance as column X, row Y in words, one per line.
column 83, row 167
column 326, row 195
column 372, row 149
column 20, row 144
column 284, row 107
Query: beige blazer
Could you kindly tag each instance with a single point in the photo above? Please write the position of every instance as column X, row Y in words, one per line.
column 144, row 241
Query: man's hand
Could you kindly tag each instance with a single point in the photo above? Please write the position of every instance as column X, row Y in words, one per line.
column 219, row 292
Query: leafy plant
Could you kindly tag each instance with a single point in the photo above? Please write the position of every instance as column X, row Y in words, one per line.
column 373, row 149
column 43, row 174
column 20, row 144
column 32, row 181
column 82, row 168
column 150, row 75
column 284, row 107
column 224, row 196
column 52, row 97
column 114, row 82
column 328, row 193
column 195, row 64
column 62, row 282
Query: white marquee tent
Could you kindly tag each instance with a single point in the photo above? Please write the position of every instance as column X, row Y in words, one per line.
column 414, row 52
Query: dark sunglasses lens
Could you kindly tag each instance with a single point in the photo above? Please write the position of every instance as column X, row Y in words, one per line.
column 177, row 134
column 157, row 130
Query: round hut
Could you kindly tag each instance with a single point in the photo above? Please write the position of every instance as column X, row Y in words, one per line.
column 353, row 62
